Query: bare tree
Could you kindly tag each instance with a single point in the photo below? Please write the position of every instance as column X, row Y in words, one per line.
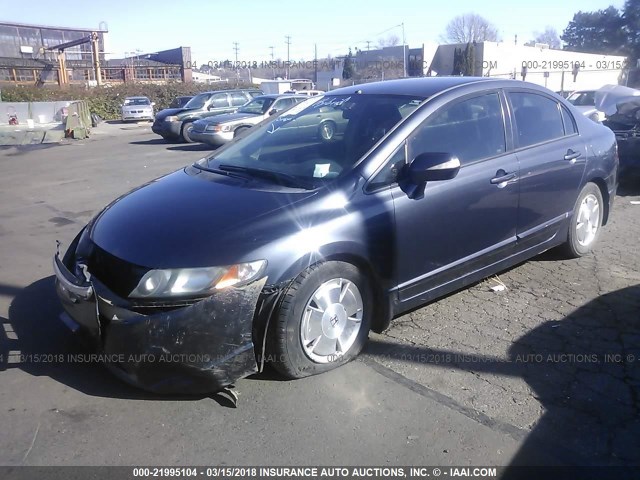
column 390, row 41
column 470, row 27
column 549, row 36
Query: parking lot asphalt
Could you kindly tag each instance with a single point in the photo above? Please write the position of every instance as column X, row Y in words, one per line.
column 546, row 371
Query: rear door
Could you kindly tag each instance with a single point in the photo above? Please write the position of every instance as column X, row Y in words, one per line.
column 552, row 159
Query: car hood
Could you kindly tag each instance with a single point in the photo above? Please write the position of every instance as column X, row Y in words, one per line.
column 172, row 111
column 231, row 117
column 191, row 219
column 617, row 99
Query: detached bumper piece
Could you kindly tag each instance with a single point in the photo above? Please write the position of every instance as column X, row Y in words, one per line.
column 197, row 348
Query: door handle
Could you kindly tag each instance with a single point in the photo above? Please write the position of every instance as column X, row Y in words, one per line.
column 571, row 155
column 502, row 176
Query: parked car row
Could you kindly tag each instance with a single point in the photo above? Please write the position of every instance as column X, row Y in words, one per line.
column 175, row 123
column 220, row 129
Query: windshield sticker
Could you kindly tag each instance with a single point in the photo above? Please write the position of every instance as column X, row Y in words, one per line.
column 331, row 102
column 321, row 170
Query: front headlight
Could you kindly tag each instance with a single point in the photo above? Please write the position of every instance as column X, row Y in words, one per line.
column 195, row 281
column 171, row 118
column 218, row 128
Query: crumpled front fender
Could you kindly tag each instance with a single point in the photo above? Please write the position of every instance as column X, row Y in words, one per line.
column 200, row 347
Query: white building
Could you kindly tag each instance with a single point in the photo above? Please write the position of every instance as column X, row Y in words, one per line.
column 544, row 66
column 205, row 78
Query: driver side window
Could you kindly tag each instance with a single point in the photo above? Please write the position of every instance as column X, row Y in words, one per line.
column 470, row 129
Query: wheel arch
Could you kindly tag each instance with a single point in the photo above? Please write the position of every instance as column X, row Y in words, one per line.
column 604, row 191
column 273, row 293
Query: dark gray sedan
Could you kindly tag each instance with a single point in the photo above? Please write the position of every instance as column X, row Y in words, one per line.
column 283, row 247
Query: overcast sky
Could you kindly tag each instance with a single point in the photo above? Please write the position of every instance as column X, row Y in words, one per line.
column 210, row 27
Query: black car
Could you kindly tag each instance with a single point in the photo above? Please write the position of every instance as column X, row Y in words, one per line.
column 175, row 123
column 288, row 248
column 621, row 106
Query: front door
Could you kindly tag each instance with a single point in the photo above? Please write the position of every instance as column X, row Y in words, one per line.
column 462, row 224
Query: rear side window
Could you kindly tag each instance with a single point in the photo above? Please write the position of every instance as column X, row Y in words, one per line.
column 238, row 99
column 569, row 122
column 220, row 101
column 283, row 104
column 471, row 129
column 537, row 118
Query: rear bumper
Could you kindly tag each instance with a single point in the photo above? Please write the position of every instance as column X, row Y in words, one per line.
column 197, row 348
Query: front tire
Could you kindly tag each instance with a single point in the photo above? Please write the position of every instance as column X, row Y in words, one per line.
column 185, row 132
column 323, row 321
column 239, row 131
column 586, row 221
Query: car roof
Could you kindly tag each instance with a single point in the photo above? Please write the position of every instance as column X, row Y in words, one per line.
column 136, row 97
column 277, row 95
column 232, row 90
column 420, row 87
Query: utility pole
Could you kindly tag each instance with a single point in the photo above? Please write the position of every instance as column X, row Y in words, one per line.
column 237, row 49
column 288, row 42
column 96, row 57
column 404, row 53
column 368, row 42
column 273, row 67
column 315, row 65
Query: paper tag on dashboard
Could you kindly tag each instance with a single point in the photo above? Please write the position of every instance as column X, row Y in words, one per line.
column 321, row 170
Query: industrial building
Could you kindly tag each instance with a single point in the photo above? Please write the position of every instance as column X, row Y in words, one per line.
column 42, row 55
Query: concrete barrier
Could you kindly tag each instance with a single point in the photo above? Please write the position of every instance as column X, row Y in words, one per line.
column 39, row 112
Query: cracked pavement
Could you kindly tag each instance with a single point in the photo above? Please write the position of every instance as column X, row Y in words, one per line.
column 546, row 371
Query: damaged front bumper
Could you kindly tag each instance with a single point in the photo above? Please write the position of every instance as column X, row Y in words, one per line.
column 200, row 347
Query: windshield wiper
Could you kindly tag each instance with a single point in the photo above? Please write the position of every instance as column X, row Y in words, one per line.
column 278, row 177
column 218, row 171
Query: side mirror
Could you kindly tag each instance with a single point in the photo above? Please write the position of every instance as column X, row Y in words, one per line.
column 428, row 167
column 273, row 111
column 433, row 166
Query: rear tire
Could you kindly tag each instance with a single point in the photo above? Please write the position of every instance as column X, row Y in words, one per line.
column 586, row 221
column 323, row 320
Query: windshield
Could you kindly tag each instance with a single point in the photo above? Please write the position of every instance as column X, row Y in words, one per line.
column 320, row 138
column 137, row 101
column 198, row 101
column 257, row 106
column 582, row 99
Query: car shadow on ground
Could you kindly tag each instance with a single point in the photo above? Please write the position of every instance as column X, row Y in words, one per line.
column 584, row 370
column 36, row 341
column 192, row 147
column 153, row 141
column 17, row 150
